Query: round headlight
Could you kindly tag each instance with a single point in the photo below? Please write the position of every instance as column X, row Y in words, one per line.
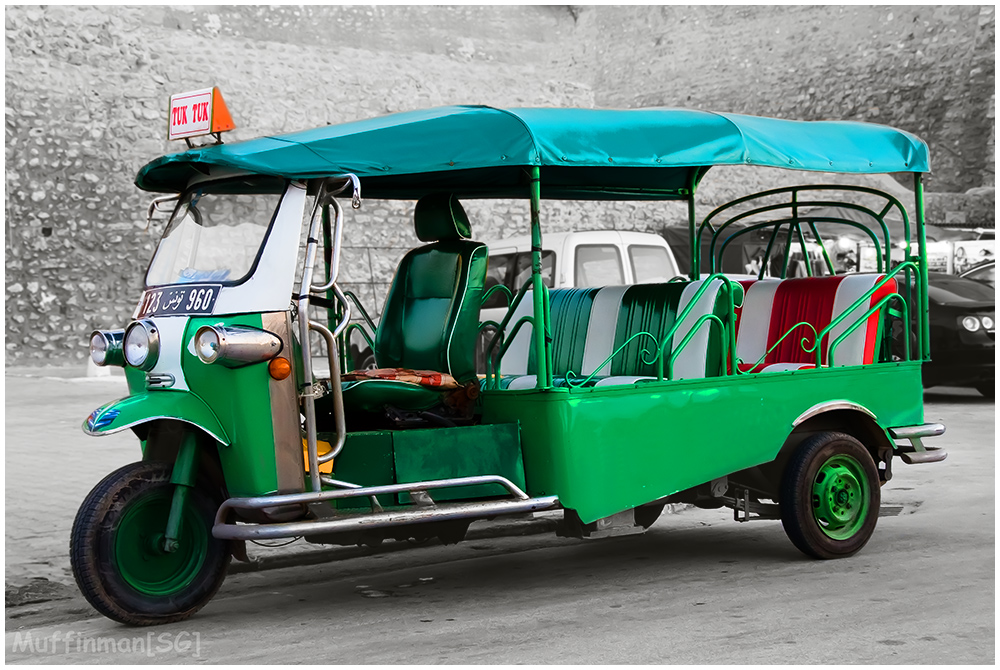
column 987, row 323
column 106, row 347
column 970, row 323
column 98, row 348
column 207, row 345
column 141, row 345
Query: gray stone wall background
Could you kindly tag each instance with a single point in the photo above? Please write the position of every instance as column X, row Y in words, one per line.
column 86, row 91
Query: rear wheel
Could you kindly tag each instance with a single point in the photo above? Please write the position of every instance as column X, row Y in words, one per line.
column 117, row 554
column 830, row 496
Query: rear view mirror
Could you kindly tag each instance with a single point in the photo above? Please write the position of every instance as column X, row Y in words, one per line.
column 161, row 208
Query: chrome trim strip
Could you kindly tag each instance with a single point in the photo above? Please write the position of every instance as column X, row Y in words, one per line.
column 830, row 406
column 444, row 512
column 146, row 419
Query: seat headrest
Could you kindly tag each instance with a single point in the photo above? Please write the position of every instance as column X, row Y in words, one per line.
column 440, row 217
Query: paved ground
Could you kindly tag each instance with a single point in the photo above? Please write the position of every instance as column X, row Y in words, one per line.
column 697, row 588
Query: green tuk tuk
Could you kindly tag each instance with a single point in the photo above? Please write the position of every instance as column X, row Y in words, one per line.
column 784, row 395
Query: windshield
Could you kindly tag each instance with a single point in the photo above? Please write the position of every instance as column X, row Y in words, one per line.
column 212, row 237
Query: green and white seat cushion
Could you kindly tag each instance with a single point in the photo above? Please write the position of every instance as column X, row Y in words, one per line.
column 589, row 325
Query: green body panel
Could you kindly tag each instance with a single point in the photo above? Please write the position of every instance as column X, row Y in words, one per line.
column 606, row 449
column 240, row 398
column 367, row 461
column 150, row 405
column 466, row 451
column 609, row 154
column 376, row 458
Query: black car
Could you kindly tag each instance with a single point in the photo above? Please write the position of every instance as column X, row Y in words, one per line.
column 985, row 272
column 962, row 321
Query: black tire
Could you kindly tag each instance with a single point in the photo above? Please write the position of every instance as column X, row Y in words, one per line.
column 830, row 496
column 987, row 390
column 114, row 555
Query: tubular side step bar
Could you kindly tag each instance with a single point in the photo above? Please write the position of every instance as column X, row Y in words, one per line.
column 916, row 451
column 365, row 521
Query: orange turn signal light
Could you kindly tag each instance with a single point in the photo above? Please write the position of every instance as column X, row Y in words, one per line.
column 279, row 368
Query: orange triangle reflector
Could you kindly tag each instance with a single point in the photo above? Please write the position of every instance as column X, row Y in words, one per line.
column 222, row 120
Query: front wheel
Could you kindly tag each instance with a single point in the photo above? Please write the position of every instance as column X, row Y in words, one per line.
column 830, row 496
column 117, row 554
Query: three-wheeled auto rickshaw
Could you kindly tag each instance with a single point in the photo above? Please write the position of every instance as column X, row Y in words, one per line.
column 782, row 397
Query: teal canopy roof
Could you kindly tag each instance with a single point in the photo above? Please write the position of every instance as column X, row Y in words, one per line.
column 476, row 151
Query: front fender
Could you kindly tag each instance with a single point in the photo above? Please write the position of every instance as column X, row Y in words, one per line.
column 143, row 407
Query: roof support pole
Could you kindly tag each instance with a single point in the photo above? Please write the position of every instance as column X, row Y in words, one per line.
column 538, row 288
column 924, row 321
column 693, row 230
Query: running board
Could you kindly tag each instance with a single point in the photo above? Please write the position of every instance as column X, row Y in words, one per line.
column 365, row 521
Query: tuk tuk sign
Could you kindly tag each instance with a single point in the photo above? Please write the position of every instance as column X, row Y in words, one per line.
column 198, row 113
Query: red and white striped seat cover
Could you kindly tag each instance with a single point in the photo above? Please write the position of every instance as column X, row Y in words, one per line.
column 773, row 306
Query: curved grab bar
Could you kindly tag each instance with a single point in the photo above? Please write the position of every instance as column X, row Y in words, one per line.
column 502, row 289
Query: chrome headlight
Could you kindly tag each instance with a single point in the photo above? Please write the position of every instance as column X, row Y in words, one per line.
column 987, row 322
column 142, row 345
column 106, row 347
column 234, row 346
column 970, row 323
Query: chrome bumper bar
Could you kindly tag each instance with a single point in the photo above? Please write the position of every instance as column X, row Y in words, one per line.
column 425, row 511
column 916, row 451
column 366, row 521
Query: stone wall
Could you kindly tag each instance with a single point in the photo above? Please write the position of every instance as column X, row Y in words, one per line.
column 87, row 89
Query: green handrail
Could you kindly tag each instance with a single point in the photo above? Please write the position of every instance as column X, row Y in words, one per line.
column 360, row 329
column 778, row 224
column 493, row 377
column 802, row 343
column 498, row 288
column 868, row 314
column 571, row 376
column 669, row 363
column 867, row 295
column 364, row 314
column 727, row 286
column 503, row 325
column 795, row 205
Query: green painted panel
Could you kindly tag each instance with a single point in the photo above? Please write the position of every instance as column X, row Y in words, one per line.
column 148, row 405
column 465, row 451
column 241, row 398
column 606, row 449
column 365, row 460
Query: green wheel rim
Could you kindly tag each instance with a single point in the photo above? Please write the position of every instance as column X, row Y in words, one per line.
column 840, row 497
column 139, row 556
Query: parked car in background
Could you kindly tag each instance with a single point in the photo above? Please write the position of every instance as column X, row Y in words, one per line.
column 985, row 272
column 963, row 327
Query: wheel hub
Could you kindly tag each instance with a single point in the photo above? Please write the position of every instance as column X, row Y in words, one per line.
column 840, row 498
column 142, row 558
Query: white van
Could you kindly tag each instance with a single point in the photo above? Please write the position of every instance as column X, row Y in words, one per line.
column 579, row 259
